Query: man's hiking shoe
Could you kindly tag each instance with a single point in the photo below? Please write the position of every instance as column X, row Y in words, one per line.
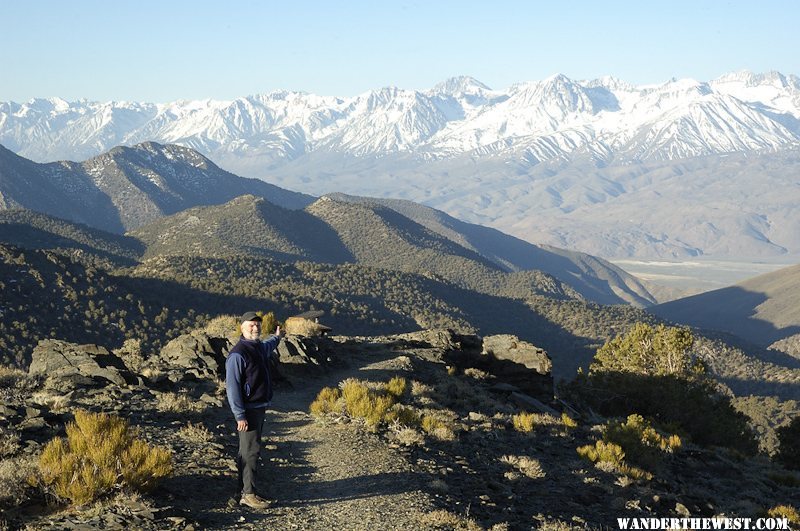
column 254, row 501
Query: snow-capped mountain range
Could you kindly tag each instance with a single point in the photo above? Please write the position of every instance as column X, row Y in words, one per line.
column 535, row 160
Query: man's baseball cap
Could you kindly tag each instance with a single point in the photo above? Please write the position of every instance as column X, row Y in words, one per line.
column 251, row 316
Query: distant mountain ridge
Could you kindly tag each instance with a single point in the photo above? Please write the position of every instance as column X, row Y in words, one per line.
column 607, row 118
column 127, row 187
column 144, row 184
column 596, row 166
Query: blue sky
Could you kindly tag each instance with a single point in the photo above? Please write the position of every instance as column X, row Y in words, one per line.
column 161, row 51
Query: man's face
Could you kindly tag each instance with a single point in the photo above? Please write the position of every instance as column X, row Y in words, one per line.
column 251, row 330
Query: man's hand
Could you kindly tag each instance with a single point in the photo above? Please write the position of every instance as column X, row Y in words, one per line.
column 241, row 425
column 279, row 332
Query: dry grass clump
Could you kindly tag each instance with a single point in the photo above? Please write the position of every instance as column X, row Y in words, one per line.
column 327, row 401
column 528, row 466
column 9, row 442
column 643, row 444
column 404, row 416
column 406, row 436
column 442, row 519
column 361, row 402
column 196, row 433
column 54, row 403
column 223, row 326
column 396, row 387
column 634, row 440
column 15, row 479
column 422, row 393
column 179, row 403
column 14, row 381
column 568, row 421
column 609, row 457
column 524, row 422
column 477, row 374
column 100, row 453
column 785, row 511
column 375, row 403
column 438, row 425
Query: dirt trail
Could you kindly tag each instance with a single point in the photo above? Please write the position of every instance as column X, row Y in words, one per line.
column 318, row 475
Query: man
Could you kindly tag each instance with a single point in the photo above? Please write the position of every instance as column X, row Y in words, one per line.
column 249, row 386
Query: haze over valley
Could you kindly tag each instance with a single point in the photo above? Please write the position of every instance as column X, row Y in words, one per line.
column 679, row 171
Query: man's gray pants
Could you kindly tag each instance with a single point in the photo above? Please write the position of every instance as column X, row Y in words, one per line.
column 249, row 447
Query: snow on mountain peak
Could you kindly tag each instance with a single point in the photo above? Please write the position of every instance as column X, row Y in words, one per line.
column 458, row 85
column 552, row 118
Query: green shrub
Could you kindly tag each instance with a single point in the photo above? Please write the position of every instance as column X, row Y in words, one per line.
column 100, row 453
column 789, row 444
column 651, row 371
column 649, row 351
column 524, row 422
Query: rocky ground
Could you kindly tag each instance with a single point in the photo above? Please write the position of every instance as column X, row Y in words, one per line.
column 334, row 472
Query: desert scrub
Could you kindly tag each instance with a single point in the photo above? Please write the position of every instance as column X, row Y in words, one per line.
column 610, row 457
column 101, row 453
column 196, row 433
column 404, row 416
column 327, row 401
column 643, row 445
column 371, row 402
column 524, row 422
column 528, row 466
column 9, row 442
column 785, row 511
column 396, row 387
column 441, row 519
column 789, row 444
column 602, row 452
column 437, row 425
column 15, row 382
column 179, row 403
column 568, row 422
column 654, row 371
column 15, row 478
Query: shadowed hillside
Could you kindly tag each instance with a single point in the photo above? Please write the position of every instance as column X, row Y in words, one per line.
column 127, row 186
column 762, row 310
column 592, row 277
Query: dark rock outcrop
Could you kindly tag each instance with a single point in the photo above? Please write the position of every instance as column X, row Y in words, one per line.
column 67, row 366
column 193, row 357
column 521, row 364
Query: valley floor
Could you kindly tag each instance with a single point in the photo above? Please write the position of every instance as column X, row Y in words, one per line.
column 689, row 277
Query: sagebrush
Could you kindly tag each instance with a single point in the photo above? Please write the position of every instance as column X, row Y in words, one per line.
column 101, row 453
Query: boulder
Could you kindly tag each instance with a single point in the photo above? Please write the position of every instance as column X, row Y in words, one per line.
column 521, row 364
column 68, row 366
column 193, row 356
column 299, row 355
column 506, row 347
column 441, row 338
